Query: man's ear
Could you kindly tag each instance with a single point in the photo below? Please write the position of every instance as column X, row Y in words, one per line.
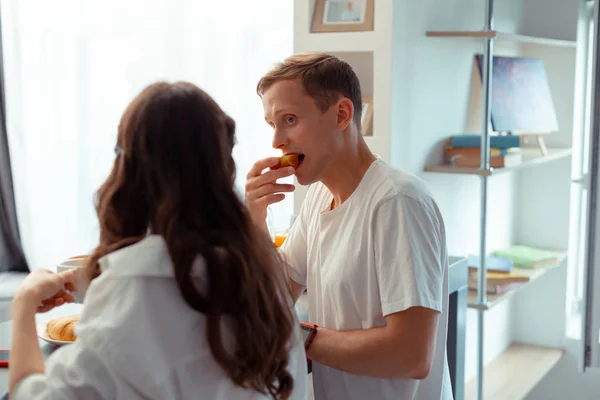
column 345, row 113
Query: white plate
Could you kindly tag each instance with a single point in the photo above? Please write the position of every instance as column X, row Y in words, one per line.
column 43, row 334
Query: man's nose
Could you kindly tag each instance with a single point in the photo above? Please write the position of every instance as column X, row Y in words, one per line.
column 280, row 139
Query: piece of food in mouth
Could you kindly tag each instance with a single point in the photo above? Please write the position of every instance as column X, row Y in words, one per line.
column 289, row 160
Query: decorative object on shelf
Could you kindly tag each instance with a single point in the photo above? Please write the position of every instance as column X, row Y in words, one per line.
column 343, row 16
column 521, row 98
column 366, row 119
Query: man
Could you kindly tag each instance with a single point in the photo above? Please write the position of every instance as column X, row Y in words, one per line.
column 368, row 244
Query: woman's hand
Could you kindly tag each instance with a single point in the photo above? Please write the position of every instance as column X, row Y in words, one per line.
column 47, row 289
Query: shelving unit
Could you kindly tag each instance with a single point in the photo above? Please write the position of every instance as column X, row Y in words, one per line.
column 515, row 372
column 520, row 367
column 495, row 299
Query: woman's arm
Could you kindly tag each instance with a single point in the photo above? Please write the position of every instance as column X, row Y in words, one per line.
column 25, row 355
column 41, row 291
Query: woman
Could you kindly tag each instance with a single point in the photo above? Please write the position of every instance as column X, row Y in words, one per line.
column 187, row 301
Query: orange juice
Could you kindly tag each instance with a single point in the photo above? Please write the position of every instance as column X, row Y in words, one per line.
column 279, row 239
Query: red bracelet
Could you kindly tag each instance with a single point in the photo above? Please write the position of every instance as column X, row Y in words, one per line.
column 311, row 330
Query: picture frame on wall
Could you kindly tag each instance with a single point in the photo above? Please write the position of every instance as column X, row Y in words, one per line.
column 343, row 16
column 366, row 119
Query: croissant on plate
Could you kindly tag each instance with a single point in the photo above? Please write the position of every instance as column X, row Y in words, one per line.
column 63, row 328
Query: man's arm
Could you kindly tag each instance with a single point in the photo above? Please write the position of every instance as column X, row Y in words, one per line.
column 404, row 348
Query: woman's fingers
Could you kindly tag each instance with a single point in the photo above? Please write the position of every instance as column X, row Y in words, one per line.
column 59, row 299
column 70, row 286
column 66, row 297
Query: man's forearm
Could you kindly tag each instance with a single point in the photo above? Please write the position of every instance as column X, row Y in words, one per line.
column 371, row 352
column 25, row 356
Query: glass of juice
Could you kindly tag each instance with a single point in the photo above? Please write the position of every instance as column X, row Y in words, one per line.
column 279, row 238
column 279, row 224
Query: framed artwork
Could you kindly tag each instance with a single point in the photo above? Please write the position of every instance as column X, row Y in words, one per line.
column 521, row 98
column 343, row 15
column 366, row 119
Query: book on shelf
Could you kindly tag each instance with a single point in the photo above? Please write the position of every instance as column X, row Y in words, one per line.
column 528, row 257
column 492, row 263
column 450, row 152
column 499, row 282
column 504, row 161
column 496, row 141
column 494, row 288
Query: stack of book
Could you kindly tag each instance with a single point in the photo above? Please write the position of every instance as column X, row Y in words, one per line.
column 465, row 151
column 501, row 277
column 508, row 268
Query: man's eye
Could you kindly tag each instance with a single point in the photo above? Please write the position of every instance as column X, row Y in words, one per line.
column 290, row 120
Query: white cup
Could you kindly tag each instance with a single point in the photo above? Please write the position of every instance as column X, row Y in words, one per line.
column 75, row 263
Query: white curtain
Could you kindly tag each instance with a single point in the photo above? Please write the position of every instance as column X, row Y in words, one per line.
column 73, row 65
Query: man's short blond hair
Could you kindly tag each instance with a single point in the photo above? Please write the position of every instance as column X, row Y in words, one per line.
column 325, row 78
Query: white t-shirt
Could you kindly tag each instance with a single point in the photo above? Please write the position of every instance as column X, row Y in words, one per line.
column 138, row 339
column 380, row 252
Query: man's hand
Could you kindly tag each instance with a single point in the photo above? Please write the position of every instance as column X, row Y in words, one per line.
column 263, row 190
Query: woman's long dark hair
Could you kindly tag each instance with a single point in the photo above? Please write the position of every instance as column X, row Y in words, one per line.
column 174, row 176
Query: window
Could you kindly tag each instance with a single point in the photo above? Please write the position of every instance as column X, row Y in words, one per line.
column 73, row 66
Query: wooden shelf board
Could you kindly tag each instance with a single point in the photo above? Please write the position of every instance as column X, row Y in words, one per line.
column 503, row 36
column 531, row 157
column 515, row 372
column 461, row 34
column 495, row 299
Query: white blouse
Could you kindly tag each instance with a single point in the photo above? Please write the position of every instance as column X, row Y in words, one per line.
column 138, row 339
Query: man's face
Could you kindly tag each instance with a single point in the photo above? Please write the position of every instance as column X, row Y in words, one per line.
column 299, row 126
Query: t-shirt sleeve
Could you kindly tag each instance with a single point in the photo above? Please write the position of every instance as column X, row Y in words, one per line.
column 295, row 248
column 410, row 255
